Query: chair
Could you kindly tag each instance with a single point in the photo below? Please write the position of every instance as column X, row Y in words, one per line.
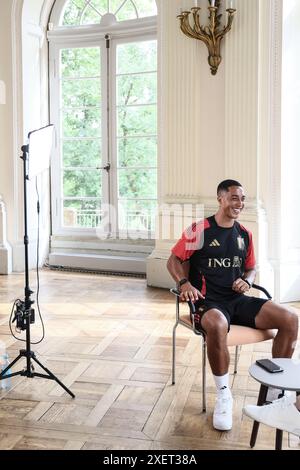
column 237, row 336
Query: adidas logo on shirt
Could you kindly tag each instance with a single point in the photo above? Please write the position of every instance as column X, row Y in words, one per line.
column 215, row 243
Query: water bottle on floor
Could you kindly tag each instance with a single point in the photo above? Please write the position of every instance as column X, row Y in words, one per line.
column 5, row 383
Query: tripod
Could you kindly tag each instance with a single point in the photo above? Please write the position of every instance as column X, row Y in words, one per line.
column 25, row 312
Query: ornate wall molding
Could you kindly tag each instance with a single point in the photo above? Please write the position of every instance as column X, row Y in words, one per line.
column 241, row 91
column 17, row 110
column 275, row 171
column 5, row 249
column 2, row 92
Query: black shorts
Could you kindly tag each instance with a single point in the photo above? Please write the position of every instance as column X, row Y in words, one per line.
column 241, row 310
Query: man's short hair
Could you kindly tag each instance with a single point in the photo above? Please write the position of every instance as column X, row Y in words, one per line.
column 225, row 185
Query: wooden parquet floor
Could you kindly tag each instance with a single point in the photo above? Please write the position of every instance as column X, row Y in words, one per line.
column 109, row 340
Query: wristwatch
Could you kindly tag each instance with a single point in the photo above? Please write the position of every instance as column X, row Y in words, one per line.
column 182, row 281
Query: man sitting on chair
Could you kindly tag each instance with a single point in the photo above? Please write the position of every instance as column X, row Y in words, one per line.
column 222, row 269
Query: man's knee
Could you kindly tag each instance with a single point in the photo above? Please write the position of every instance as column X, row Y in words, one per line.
column 215, row 325
column 290, row 321
column 287, row 321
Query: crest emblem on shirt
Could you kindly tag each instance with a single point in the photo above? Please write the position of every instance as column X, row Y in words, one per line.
column 237, row 262
column 241, row 243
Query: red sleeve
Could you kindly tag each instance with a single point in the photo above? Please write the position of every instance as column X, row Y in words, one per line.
column 250, row 261
column 191, row 240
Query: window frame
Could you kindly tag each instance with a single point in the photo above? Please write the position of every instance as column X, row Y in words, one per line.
column 138, row 24
column 57, row 163
column 114, row 131
column 62, row 37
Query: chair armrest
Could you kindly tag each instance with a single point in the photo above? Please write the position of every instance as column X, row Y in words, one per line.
column 190, row 303
column 192, row 306
column 262, row 289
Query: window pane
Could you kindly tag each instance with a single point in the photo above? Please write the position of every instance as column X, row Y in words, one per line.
column 89, row 11
column 80, row 93
column 81, row 62
column 137, row 57
column 137, row 152
column 127, row 12
column 82, row 123
column 137, row 184
column 137, row 89
column 71, row 15
column 82, row 213
column 90, row 16
column 137, row 215
column 82, row 183
column 137, row 120
column 86, row 153
column 137, row 116
column 146, row 7
column 114, row 5
column 101, row 6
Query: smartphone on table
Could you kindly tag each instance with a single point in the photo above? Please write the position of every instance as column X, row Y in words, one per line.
column 269, row 365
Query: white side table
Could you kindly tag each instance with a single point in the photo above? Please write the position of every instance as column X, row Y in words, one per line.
column 289, row 379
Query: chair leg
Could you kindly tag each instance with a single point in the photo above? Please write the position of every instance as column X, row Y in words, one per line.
column 278, row 442
column 174, row 353
column 236, row 358
column 203, row 375
column 261, row 400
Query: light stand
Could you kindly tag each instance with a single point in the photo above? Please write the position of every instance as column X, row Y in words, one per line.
column 25, row 313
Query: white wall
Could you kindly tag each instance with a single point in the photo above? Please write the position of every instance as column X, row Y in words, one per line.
column 7, row 156
column 23, row 67
column 35, row 112
column 210, row 126
column 290, row 220
column 6, row 152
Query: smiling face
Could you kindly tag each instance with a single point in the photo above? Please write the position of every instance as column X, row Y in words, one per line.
column 231, row 202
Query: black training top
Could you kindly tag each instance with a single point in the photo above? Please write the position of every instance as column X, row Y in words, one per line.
column 217, row 255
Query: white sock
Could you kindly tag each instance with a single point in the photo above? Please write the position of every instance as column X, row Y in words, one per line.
column 222, row 383
column 273, row 394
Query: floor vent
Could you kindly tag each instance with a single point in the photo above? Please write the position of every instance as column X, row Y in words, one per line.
column 96, row 272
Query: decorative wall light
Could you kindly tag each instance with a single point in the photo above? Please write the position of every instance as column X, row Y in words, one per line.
column 212, row 34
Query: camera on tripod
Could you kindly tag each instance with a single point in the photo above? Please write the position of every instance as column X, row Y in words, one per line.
column 21, row 314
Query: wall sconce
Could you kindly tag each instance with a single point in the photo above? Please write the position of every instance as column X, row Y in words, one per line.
column 211, row 35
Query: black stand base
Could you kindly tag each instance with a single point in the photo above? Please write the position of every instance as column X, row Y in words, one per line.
column 29, row 370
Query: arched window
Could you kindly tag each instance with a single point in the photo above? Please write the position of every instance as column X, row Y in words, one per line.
column 103, row 63
column 87, row 12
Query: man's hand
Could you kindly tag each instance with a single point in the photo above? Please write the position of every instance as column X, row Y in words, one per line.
column 189, row 292
column 240, row 286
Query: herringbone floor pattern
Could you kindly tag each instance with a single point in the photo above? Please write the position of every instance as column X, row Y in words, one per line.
column 109, row 339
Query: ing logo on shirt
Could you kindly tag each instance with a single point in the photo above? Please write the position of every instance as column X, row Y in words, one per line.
column 236, row 262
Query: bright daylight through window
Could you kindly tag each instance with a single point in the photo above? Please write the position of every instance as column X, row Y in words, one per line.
column 83, row 12
column 104, row 106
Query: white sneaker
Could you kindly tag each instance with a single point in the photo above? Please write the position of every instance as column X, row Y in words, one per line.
column 222, row 417
column 281, row 414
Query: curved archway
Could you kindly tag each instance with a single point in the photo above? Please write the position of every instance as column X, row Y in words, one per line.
column 69, row 13
column 30, row 20
column 104, row 105
column 30, row 111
